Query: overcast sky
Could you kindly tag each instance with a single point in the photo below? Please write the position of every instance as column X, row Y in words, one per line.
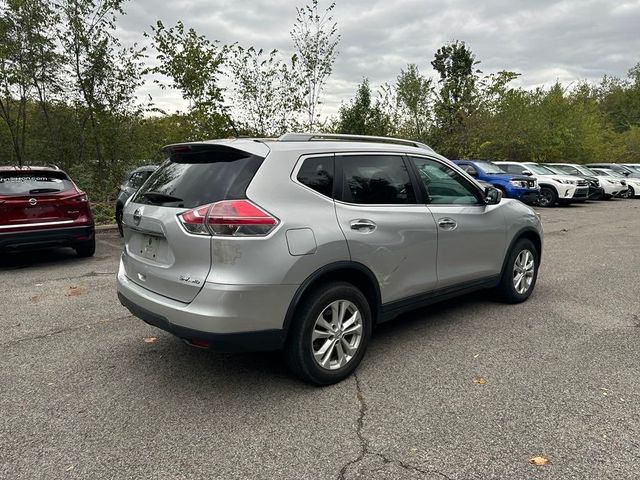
column 543, row 40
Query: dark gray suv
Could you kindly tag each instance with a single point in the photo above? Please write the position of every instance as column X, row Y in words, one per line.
column 306, row 242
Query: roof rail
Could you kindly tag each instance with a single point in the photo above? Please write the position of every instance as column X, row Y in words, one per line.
column 308, row 137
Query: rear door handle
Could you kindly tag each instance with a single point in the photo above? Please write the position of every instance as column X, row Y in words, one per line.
column 447, row 223
column 362, row 225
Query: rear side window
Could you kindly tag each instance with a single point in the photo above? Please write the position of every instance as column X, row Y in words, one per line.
column 32, row 182
column 137, row 179
column 375, row 179
column 317, row 174
column 198, row 175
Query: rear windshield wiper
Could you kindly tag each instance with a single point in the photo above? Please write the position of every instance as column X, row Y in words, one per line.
column 159, row 197
column 44, row 190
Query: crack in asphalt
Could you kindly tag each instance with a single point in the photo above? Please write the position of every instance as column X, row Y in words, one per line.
column 63, row 330
column 364, row 445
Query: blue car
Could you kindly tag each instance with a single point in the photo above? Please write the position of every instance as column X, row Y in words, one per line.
column 523, row 188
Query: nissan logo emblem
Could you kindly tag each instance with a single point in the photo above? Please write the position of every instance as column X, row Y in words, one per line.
column 137, row 216
column 32, row 201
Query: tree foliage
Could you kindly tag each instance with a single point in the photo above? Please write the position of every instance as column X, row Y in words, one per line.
column 315, row 38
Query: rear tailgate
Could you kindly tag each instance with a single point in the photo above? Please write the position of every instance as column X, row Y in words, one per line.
column 160, row 255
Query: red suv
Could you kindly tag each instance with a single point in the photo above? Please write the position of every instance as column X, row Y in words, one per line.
column 41, row 207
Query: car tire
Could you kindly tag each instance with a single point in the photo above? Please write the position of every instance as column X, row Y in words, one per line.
column 119, row 221
column 631, row 193
column 319, row 315
column 548, row 197
column 509, row 290
column 86, row 249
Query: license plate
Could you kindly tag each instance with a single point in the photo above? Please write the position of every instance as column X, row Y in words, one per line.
column 149, row 247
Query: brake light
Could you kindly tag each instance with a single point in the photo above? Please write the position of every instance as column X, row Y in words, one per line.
column 237, row 218
column 80, row 198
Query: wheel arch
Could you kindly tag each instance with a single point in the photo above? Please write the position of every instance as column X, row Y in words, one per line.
column 346, row 271
column 528, row 233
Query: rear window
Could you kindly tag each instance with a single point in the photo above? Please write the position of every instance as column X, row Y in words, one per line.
column 31, row 182
column 198, row 175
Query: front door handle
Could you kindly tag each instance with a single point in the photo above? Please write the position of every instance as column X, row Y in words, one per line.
column 447, row 223
column 362, row 225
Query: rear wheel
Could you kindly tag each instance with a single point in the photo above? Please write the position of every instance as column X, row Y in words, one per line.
column 548, row 197
column 330, row 334
column 119, row 221
column 520, row 273
column 86, row 249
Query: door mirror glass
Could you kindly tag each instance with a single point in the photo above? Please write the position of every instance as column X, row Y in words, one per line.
column 492, row 196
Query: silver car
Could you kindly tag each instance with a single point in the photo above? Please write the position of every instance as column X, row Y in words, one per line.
column 306, row 242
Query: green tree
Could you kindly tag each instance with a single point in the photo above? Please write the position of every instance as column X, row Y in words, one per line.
column 104, row 78
column 315, row 38
column 457, row 96
column 414, row 92
column 266, row 91
column 193, row 65
column 29, row 67
column 363, row 115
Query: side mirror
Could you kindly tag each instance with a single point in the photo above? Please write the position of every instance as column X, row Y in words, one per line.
column 528, row 173
column 492, row 196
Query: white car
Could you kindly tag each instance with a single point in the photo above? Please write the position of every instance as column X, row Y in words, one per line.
column 554, row 188
column 633, row 184
column 612, row 186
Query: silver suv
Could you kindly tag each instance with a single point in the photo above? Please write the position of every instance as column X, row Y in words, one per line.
column 306, row 242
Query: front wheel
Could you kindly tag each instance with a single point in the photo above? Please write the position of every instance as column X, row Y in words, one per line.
column 548, row 197
column 520, row 273
column 330, row 334
column 631, row 193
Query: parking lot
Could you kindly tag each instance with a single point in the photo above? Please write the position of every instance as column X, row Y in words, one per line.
column 468, row 389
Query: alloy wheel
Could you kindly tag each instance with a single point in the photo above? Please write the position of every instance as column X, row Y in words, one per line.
column 336, row 335
column 523, row 270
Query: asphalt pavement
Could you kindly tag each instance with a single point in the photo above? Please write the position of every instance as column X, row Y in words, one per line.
column 467, row 389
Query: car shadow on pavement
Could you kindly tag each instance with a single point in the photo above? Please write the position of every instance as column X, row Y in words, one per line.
column 25, row 259
column 178, row 366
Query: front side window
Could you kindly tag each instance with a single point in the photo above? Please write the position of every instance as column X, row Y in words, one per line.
column 317, row 174
column 137, row 179
column 375, row 179
column 444, row 186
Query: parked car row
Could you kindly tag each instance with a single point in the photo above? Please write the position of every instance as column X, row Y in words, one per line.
column 549, row 184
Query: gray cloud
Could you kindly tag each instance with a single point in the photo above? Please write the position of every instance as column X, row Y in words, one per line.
column 543, row 40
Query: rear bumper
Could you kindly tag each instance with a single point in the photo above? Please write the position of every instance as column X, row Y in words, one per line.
column 46, row 238
column 229, row 317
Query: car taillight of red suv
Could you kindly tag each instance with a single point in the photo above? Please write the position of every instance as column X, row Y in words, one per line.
column 41, row 207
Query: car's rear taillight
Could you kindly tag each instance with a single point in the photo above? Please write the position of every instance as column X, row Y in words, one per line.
column 79, row 198
column 238, row 218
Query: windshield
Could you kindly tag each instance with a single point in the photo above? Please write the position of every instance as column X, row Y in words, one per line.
column 539, row 169
column 556, row 169
column 586, row 170
column 613, row 173
column 635, row 168
column 490, row 168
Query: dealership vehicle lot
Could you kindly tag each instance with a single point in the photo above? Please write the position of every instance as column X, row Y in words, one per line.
column 465, row 389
